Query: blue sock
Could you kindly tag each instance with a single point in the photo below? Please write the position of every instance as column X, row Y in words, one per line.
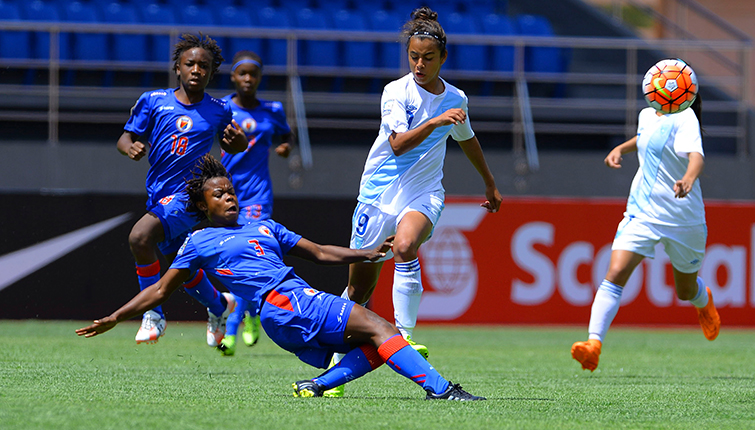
column 234, row 320
column 402, row 358
column 356, row 363
column 148, row 274
column 202, row 289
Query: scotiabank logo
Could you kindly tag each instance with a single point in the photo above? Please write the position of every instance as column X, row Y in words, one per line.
column 541, row 260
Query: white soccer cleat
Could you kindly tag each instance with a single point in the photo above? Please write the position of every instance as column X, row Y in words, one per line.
column 216, row 324
column 152, row 329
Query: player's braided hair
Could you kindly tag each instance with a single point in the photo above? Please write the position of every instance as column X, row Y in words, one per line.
column 207, row 167
column 424, row 24
column 190, row 41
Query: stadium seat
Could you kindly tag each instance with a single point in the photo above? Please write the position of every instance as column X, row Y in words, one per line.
column 126, row 47
column 161, row 49
column 38, row 10
column 275, row 49
column 355, row 54
column 389, row 53
column 13, row 44
column 86, row 46
column 231, row 16
column 316, row 52
column 198, row 15
column 539, row 58
column 503, row 56
column 464, row 57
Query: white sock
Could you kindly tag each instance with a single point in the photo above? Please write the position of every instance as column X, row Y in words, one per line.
column 407, row 293
column 604, row 308
column 701, row 298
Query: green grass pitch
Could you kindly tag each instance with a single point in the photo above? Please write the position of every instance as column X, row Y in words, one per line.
column 647, row 379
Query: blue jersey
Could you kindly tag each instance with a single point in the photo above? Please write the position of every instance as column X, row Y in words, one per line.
column 249, row 169
column 178, row 135
column 247, row 259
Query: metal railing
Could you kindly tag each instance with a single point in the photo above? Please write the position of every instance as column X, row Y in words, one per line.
column 551, row 115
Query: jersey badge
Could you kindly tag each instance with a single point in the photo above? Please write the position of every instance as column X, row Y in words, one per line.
column 165, row 200
column 310, row 292
column 184, row 123
column 249, row 125
column 264, row 230
column 387, row 106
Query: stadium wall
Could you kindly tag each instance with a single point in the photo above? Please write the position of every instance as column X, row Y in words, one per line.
column 65, row 256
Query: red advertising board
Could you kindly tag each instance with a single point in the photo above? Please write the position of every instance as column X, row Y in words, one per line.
column 539, row 261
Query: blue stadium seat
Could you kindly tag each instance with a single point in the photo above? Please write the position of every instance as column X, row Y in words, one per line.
column 13, row 44
column 86, row 46
column 255, row 5
column 38, row 10
column 389, row 53
column 316, row 52
column 466, row 57
column 355, row 54
column 161, row 49
column 126, row 47
column 332, row 7
column 233, row 17
column 275, row 49
column 539, row 58
column 195, row 15
column 503, row 56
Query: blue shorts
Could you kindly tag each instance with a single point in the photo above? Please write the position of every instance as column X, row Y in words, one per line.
column 177, row 221
column 307, row 322
column 251, row 213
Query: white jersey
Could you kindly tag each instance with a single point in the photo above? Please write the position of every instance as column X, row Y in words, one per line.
column 389, row 181
column 663, row 145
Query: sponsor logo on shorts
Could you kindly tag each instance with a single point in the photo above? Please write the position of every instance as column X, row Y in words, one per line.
column 340, row 314
column 184, row 123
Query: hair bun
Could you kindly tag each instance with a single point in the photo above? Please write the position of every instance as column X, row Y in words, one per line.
column 425, row 13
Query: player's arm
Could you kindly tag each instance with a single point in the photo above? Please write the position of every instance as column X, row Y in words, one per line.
column 404, row 142
column 147, row 299
column 473, row 151
column 335, row 255
column 286, row 145
column 683, row 186
column 129, row 145
column 613, row 159
column 234, row 138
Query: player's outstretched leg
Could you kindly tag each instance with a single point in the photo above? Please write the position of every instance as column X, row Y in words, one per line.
column 587, row 353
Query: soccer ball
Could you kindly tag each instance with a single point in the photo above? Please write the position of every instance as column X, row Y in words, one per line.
column 670, row 86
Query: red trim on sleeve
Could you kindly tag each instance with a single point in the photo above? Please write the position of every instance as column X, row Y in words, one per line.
column 148, row 270
column 372, row 355
column 196, row 280
column 277, row 299
column 391, row 346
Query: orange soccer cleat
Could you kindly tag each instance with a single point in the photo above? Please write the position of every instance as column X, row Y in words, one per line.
column 587, row 353
column 709, row 319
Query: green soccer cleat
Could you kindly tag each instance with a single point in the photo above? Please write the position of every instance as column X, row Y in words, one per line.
column 422, row 349
column 307, row 388
column 227, row 346
column 251, row 333
column 335, row 391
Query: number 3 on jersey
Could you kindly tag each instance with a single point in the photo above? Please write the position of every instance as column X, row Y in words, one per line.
column 179, row 145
